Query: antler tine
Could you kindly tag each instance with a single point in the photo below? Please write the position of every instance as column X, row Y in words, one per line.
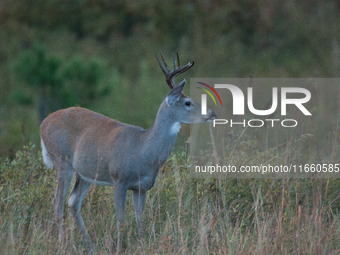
column 160, row 64
column 170, row 75
column 167, row 73
column 181, row 69
column 165, row 63
column 178, row 60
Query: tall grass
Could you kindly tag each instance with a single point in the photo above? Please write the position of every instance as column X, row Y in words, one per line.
column 182, row 215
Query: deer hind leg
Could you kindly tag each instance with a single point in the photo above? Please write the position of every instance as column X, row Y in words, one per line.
column 64, row 173
column 75, row 201
column 120, row 197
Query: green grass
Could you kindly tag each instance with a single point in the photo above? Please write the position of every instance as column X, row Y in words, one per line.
column 182, row 215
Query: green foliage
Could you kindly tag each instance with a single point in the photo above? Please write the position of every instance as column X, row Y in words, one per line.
column 82, row 81
column 37, row 69
column 60, row 84
column 22, row 98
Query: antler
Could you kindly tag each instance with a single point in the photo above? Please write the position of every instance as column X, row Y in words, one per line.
column 170, row 75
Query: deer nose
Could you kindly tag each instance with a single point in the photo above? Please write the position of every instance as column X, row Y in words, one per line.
column 213, row 115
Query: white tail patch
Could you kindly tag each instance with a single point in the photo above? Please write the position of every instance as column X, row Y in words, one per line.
column 46, row 157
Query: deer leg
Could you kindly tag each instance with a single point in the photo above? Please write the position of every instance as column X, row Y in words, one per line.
column 138, row 202
column 75, row 201
column 120, row 196
column 64, row 172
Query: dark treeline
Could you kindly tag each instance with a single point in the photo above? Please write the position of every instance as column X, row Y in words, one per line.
column 100, row 54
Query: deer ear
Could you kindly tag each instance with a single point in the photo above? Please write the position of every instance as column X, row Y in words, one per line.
column 175, row 93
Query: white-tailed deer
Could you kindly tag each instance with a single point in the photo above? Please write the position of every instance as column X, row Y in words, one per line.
column 104, row 151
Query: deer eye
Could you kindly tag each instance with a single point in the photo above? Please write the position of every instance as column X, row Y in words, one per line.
column 187, row 103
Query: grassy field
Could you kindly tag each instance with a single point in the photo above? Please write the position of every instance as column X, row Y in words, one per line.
column 182, row 215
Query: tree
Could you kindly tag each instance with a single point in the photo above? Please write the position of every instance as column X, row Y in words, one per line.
column 57, row 83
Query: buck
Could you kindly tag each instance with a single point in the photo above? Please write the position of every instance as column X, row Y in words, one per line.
column 103, row 151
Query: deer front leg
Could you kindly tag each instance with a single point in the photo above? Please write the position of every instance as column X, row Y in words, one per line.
column 120, row 196
column 138, row 202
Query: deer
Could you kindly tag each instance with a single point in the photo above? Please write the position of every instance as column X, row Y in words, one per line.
column 103, row 151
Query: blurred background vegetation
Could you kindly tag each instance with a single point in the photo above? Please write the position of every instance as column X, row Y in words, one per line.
column 100, row 54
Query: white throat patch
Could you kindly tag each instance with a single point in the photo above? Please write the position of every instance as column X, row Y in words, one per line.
column 175, row 128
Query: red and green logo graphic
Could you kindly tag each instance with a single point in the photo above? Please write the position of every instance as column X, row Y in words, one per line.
column 209, row 93
column 204, row 97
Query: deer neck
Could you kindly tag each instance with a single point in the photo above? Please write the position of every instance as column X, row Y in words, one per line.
column 161, row 136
